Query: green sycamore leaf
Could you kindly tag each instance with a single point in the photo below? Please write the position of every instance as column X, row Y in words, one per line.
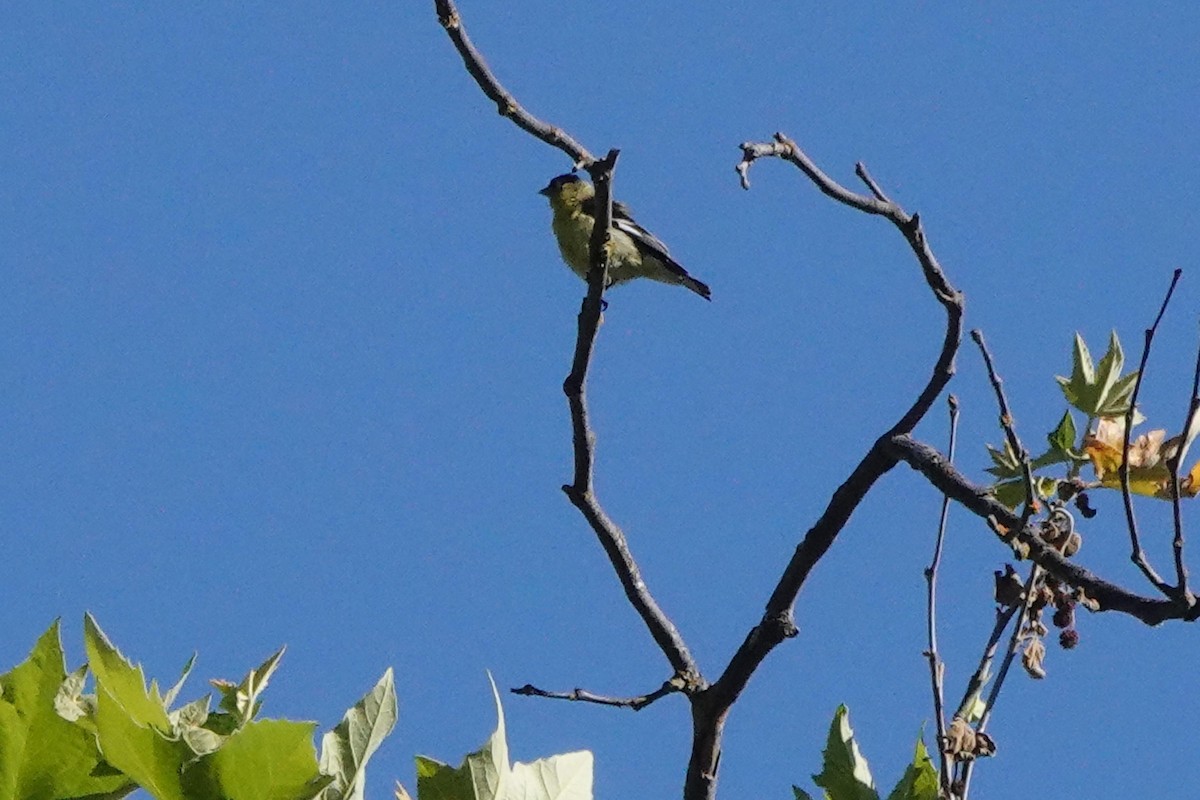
column 124, row 683
column 1109, row 370
column 1119, row 398
column 1007, row 464
column 567, row 776
column 173, row 692
column 845, row 774
column 135, row 733
column 1061, row 445
column 920, row 781
column 800, row 794
column 1010, row 489
column 1083, row 375
column 42, row 755
column 1062, row 438
column 190, row 723
column 1010, row 493
column 1098, row 391
column 145, row 754
column 1049, row 459
column 438, row 781
column 56, row 742
column 486, row 774
column 190, row 715
column 240, row 702
column 172, row 756
column 271, row 759
column 346, row 749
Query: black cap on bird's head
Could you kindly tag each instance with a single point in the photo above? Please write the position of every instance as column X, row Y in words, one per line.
column 556, row 184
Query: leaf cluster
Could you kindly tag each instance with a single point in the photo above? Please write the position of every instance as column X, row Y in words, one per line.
column 846, row 775
column 487, row 775
column 1103, row 393
column 58, row 741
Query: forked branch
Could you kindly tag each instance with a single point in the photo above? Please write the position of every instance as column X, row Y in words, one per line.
column 979, row 501
column 711, row 703
column 778, row 620
column 581, row 491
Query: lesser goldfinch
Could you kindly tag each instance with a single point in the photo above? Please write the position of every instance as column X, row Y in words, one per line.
column 634, row 252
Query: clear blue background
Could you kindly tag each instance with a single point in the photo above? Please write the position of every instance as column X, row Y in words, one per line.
column 283, row 331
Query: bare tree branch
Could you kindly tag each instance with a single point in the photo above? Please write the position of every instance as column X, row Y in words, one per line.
column 584, row 696
column 1138, row 554
column 506, row 104
column 777, row 622
column 967, row 767
column 983, row 670
column 711, row 703
column 977, row 499
column 1027, row 598
column 1175, row 462
column 581, row 491
column 937, row 668
column 1009, row 426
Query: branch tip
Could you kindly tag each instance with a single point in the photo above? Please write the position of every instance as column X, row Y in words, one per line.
column 506, row 104
column 583, row 696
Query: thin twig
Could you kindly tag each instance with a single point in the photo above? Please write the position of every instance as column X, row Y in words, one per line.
column 860, row 169
column 1181, row 570
column 584, row 696
column 979, row 679
column 590, row 317
column 1010, row 433
column 506, row 104
column 1175, row 463
column 1014, row 642
column 983, row 671
column 1138, row 554
column 936, row 667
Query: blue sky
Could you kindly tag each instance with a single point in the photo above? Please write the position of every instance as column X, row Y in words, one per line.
column 284, row 331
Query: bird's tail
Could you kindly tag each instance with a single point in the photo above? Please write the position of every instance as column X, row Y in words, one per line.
column 699, row 287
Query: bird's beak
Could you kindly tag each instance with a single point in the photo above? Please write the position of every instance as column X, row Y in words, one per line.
column 545, row 192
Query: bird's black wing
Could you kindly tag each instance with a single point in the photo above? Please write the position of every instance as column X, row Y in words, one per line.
column 648, row 244
column 646, row 241
column 624, row 222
